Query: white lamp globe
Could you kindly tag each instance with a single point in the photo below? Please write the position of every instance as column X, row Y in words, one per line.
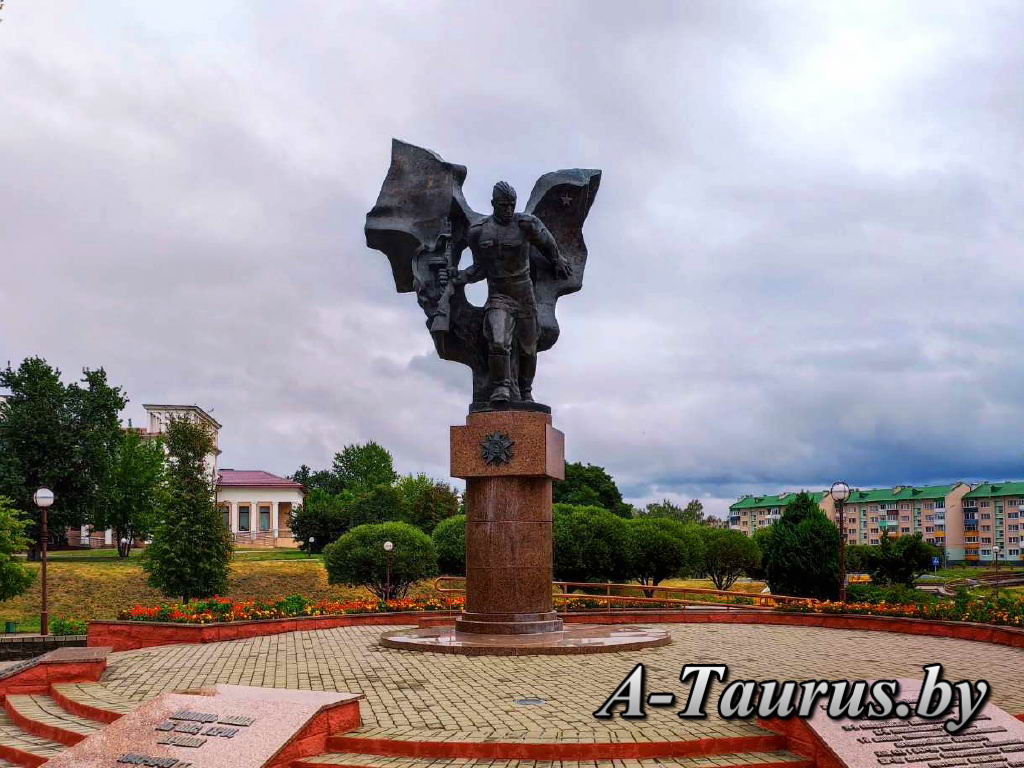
column 43, row 497
column 840, row 491
column 388, row 546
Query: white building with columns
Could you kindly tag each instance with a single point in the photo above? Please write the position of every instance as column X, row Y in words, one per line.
column 257, row 505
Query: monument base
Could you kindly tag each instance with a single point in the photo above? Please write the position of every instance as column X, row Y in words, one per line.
column 508, row 623
column 509, row 459
column 574, row 638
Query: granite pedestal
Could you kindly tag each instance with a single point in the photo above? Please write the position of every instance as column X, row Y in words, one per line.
column 508, row 460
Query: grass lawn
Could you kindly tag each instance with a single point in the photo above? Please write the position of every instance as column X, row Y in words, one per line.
column 96, row 584
column 86, row 585
column 964, row 572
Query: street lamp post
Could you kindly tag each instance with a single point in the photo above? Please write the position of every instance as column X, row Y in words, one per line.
column 840, row 492
column 43, row 499
column 309, row 549
column 389, row 547
column 995, row 553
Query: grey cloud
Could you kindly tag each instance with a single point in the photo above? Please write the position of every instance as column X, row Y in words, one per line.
column 804, row 256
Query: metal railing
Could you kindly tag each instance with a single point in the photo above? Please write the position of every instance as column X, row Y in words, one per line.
column 732, row 599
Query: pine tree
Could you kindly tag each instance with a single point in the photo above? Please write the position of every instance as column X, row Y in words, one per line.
column 191, row 548
column 801, row 552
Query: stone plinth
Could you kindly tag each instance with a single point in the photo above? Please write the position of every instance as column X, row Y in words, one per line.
column 227, row 726
column 994, row 739
column 508, row 459
column 575, row 638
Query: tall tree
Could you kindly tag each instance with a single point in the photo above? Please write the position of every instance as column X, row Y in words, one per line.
column 191, row 549
column 362, row 467
column 135, row 491
column 800, row 553
column 15, row 578
column 588, row 485
column 61, row 437
column 322, row 516
column 426, row 502
column 692, row 513
column 320, row 479
column 380, row 504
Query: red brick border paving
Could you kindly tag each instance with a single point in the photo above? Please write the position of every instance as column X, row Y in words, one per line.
column 133, row 635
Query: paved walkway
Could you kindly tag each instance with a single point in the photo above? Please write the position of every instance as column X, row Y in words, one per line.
column 454, row 697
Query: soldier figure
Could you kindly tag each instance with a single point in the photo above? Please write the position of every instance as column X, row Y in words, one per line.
column 500, row 244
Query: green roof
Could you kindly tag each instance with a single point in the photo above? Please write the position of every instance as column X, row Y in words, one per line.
column 779, row 500
column 901, row 493
column 870, row 495
column 996, row 489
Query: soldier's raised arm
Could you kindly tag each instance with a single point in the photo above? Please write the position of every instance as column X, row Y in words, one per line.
column 542, row 239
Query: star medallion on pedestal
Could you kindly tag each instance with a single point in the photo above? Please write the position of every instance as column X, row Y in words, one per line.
column 497, row 448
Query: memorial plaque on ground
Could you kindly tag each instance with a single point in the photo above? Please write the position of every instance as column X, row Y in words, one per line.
column 994, row 739
column 227, row 726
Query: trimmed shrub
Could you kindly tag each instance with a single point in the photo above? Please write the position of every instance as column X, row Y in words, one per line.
column 450, row 542
column 727, row 555
column 359, row 559
column 661, row 548
column 589, row 543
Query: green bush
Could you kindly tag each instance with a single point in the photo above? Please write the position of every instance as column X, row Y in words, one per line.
column 322, row 516
column 63, row 626
column 661, row 548
column 857, row 558
column 900, row 560
column 588, row 544
column 15, row 578
column 727, row 555
column 450, row 542
column 359, row 559
column 426, row 502
column 800, row 552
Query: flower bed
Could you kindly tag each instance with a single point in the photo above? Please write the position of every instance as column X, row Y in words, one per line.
column 578, row 603
column 222, row 610
column 1001, row 611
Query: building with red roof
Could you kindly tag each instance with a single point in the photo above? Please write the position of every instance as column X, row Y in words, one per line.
column 257, row 506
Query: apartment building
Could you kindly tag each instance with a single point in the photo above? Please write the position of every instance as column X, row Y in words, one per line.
column 967, row 523
column 752, row 513
column 992, row 519
column 934, row 511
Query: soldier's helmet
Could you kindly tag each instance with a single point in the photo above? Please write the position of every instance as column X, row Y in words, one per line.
column 503, row 193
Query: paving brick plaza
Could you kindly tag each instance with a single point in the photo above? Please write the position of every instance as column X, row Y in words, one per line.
column 436, row 696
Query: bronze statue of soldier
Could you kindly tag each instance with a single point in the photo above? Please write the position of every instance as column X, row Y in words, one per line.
column 500, row 245
column 423, row 224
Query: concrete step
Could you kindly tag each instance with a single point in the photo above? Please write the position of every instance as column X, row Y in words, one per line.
column 737, row 760
column 22, row 748
column 92, row 700
column 545, row 745
column 42, row 716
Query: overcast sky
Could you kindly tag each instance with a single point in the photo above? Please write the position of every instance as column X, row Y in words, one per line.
column 805, row 256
